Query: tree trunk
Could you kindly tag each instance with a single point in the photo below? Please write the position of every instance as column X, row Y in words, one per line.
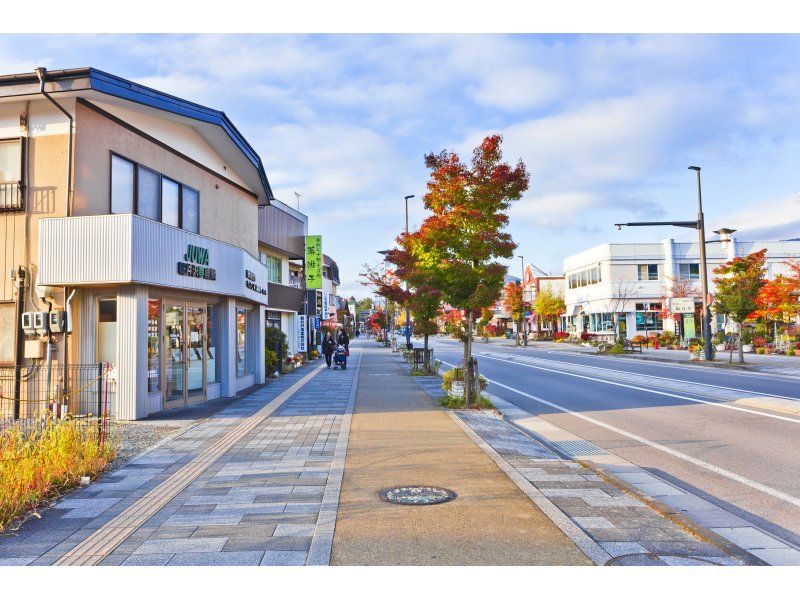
column 741, row 349
column 519, row 333
column 468, row 374
column 426, row 356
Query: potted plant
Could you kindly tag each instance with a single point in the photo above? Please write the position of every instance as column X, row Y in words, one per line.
column 747, row 341
column 719, row 339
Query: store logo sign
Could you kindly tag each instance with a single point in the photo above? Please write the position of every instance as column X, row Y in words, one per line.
column 250, row 283
column 196, row 264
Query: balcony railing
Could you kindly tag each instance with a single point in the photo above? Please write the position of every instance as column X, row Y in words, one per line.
column 296, row 282
column 11, row 197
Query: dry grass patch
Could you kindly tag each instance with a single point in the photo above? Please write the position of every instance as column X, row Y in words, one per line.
column 38, row 465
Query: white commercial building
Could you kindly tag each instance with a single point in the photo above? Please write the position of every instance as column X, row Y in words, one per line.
column 628, row 286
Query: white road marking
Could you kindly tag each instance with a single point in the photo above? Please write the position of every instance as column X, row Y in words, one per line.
column 693, row 460
column 653, row 376
column 650, row 390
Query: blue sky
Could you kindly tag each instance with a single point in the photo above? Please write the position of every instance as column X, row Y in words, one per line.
column 607, row 125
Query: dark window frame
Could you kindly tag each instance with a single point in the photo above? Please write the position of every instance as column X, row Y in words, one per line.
column 161, row 177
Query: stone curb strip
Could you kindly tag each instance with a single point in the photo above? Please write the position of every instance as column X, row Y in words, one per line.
column 322, row 542
column 108, row 537
column 588, row 546
column 694, row 528
column 661, row 506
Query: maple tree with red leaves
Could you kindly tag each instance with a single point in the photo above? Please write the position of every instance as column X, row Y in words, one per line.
column 457, row 247
column 514, row 304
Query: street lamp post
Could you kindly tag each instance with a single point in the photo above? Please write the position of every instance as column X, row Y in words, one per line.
column 701, row 229
column 523, row 324
column 699, row 225
column 408, row 315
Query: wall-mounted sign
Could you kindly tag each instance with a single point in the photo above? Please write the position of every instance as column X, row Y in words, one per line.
column 326, row 308
column 316, row 323
column 681, row 305
column 250, row 283
column 196, row 264
column 314, row 262
column 302, row 344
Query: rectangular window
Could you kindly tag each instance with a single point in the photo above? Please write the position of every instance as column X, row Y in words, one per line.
column 648, row 320
column 274, row 269
column 242, row 358
column 148, row 188
column 122, row 176
column 7, row 328
column 153, row 345
column 212, row 334
column 107, row 331
column 170, row 202
column 648, row 271
column 190, row 208
column 11, row 161
column 689, row 271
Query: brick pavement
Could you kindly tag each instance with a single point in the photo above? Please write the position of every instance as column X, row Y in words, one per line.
column 269, row 499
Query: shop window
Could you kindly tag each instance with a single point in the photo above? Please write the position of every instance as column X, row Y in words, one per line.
column 190, row 210
column 648, row 271
column 148, row 192
column 212, row 334
column 274, row 319
column 107, row 331
column 7, row 328
column 648, row 320
column 122, row 177
column 153, row 345
column 243, row 361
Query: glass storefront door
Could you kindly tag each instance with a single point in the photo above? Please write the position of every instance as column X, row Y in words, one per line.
column 184, row 353
column 175, row 356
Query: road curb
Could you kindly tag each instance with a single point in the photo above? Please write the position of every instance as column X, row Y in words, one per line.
column 698, row 531
column 746, row 367
column 695, row 529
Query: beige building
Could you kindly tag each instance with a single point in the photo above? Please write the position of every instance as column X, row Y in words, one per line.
column 129, row 221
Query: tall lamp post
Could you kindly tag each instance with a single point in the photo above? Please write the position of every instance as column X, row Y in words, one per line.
column 522, row 284
column 699, row 225
column 389, row 319
column 408, row 315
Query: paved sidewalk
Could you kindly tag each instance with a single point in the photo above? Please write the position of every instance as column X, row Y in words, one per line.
column 400, row 436
column 256, row 483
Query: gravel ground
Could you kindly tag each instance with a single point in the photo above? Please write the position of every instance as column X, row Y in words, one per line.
column 136, row 437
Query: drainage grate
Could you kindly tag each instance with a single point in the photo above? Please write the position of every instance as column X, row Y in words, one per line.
column 417, row 495
column 577, row 448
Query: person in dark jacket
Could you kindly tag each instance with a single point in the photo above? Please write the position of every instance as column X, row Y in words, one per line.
column 344, row 340
column 328, row 347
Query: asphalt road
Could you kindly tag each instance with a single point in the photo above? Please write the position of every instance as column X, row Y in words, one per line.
column 680, row 423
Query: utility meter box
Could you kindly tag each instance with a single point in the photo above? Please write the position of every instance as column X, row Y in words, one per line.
column 58, row 321
column 34, row 349
column 27, row 323
column 41, row 322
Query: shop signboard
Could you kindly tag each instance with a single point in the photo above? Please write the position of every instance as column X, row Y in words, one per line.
column 317, row 323
column 688, row 326
column 301, row 333
column 681, row 305
column 314, row 262
column 326, row 308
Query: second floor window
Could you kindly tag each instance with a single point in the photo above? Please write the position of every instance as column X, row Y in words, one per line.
column 274, row 267
column 648, row 271
column 136, row 189
column 689, row 271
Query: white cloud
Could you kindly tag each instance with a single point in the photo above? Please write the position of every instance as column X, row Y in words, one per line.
column 770, row 220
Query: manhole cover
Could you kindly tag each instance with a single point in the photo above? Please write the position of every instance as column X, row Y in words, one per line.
column 417, row 495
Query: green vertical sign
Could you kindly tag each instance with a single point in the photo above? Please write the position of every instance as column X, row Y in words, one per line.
column 314, row 262
column 688, row 326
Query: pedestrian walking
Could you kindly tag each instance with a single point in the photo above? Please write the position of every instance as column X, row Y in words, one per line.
column 344, row 339
column 328, row 347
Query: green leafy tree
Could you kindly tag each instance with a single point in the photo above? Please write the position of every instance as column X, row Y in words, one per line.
column 739, row 283
column 458, row 246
